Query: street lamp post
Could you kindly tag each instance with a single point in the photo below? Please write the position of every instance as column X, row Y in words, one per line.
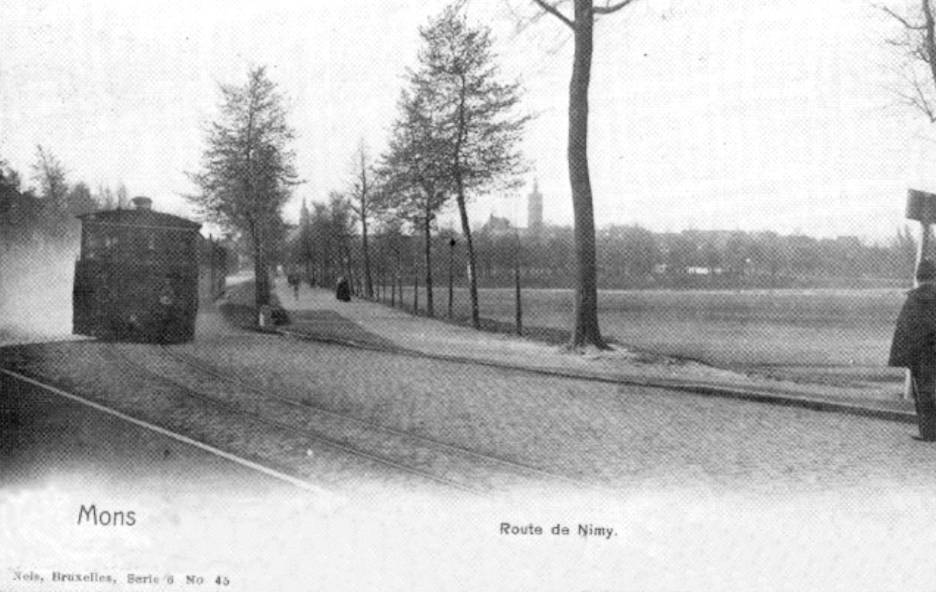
column 518, row 301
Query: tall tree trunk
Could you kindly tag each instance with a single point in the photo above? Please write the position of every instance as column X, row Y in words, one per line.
column 348, row 271
column 427, row 231
column 585, row 329
column 469, row 251
column 518, row 301
column 261, row 271
column 397, row 280
column 451, row 282
column 463, row 210
column 929, row 25
column 325, row 265
column 368, row 282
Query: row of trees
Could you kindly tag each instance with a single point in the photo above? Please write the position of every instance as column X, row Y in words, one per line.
column 326, row 246
column 629, row 257
column 46, row 210
column 455, row 136
column 634, row 257
column 455, row 120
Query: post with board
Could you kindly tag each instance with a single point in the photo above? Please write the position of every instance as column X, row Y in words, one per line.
column 921, row 206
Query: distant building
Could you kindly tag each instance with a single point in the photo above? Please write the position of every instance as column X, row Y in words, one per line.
column 535, row 210
column 497, row 226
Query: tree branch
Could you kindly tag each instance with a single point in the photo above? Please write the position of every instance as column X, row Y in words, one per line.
column 551, row 9
column 609, row 8
column 902, row 20
column 921, row 103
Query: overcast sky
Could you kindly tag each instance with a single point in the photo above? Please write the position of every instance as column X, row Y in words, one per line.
column 708, row 114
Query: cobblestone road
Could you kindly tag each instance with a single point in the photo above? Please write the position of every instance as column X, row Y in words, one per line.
column 625, row 438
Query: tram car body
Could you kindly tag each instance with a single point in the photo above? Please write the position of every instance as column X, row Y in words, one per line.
column 137, row 277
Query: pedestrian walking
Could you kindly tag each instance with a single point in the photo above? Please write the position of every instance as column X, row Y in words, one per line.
column 343, row 289
column 293, row 280
column 914, row 346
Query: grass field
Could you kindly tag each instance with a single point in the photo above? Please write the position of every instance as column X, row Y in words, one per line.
column 836, row 336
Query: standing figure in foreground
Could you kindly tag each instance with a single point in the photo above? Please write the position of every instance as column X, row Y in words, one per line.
column 914, row 346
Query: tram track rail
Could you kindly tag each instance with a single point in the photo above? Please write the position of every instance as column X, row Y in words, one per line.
column 308, row 436
column 489, row 460
column 147, row 394
column 274, row 472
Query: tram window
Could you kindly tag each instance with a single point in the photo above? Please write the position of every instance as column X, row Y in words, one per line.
column 111, row 242
column 92, row 247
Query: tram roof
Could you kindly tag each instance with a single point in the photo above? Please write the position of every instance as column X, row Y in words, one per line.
column 139, row 218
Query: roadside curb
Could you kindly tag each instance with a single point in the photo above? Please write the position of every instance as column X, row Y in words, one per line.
column 705, row 389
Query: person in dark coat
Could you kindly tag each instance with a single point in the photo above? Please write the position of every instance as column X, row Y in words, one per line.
column 166, row 313
column 293, row 280
column 914, row 346
column 343, row 289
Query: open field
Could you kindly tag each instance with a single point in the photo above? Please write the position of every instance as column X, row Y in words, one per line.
column 836, row 336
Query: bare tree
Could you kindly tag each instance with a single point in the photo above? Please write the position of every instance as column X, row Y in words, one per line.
column 417, row 181
column 918, row 42
column 123, row 196
column 362, row 205
column 320, row 245
column 585, row 329
column 340, row 232
column 105, row 196
column 247, row 169
column 50, row 177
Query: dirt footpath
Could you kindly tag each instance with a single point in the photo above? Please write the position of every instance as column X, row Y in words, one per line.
column 316, row 312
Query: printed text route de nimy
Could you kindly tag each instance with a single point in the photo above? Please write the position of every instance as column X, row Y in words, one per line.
column 582, row 530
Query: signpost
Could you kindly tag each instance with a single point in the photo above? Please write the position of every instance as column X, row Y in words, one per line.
column 921, row 206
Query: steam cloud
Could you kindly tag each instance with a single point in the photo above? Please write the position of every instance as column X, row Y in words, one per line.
column 35, row 291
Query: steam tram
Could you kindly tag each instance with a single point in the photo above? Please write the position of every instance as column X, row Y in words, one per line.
column 141, row 273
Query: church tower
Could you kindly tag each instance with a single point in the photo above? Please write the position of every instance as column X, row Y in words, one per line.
column 535, row 209
column 303, row 215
